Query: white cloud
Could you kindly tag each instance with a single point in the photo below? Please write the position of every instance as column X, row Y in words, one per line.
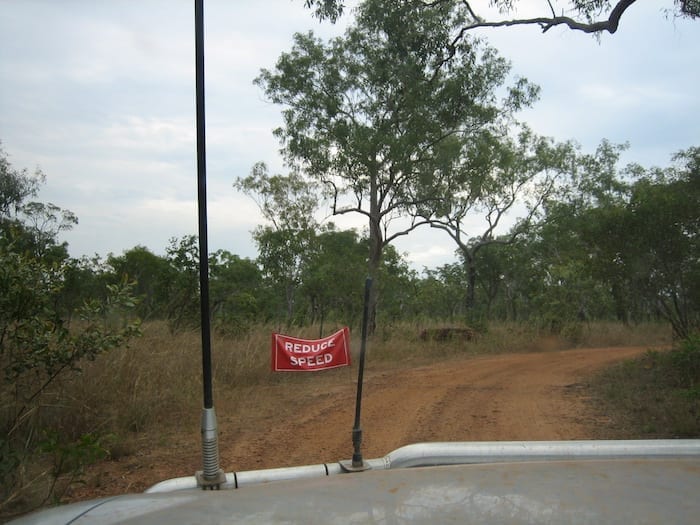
column 150, row 135
column 625, row 97
column 101, row 96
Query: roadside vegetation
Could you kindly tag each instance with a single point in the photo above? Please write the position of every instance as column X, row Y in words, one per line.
column 143, row 392
column 654, row 396
column 97, row 353
column 404, row 125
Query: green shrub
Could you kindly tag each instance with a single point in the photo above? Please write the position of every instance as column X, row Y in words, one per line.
column 39, row 351
column 654, row 396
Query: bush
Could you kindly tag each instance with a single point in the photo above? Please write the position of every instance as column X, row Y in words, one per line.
column 686, row 363
column 39, row 349
column 655, row 396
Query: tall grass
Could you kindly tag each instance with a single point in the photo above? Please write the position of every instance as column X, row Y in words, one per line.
column 153, row 385
column 158, row 378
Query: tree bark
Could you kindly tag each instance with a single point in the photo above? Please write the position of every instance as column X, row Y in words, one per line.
column 376, row 243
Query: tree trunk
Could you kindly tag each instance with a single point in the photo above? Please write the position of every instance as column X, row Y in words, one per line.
column 470, row 270
column 375, row 254
column 373, row 265
column 290, row 303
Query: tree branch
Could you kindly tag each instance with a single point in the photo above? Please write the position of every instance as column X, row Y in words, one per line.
column 610, row 25
column 546, row 23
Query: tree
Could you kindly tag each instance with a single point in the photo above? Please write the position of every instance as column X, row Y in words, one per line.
column 38, row 344
column 30, row 226
column 441, row 292
column 588, row 16
column 289, row 203
column 370, row 117
column 16, row 186
column 333, row 277
column 520, row 274
column 235, row 291
column 622, row 242
column 565, row 254
column 182, row 280
column 397, row 287
column 149, row 273
column 86, row 277
column 502, row 172
column 649, row 242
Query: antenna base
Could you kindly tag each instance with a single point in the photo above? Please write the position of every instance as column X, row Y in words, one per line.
column 352, row 466
column 206, row 483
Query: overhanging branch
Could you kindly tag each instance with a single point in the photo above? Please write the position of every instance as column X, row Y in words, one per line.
column 546, row 23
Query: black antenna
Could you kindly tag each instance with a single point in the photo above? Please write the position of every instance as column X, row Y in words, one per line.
column 212, row 476
column 357, row 464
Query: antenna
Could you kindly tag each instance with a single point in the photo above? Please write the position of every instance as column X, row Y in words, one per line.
column 212, row 476
column 357, row 464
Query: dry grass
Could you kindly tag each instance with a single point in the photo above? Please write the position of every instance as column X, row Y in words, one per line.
column 149, row 388
column 157, row 379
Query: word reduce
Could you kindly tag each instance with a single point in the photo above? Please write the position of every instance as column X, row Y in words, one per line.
column 291, row 354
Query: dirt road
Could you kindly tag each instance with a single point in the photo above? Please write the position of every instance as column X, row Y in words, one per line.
column 534, row 396
column 531, row 396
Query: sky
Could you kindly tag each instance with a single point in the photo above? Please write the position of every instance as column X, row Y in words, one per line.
column 99, row 94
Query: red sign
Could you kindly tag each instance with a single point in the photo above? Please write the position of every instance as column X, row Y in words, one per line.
column 291, row 354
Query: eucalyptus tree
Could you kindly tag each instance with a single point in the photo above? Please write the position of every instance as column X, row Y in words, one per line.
column 288, row 203
column 588, row 16
column 374, row 118
column 150, row 274
column 440, row 292
column 236, row 296
column 333, row 277
column 647, row 244
column 182, row 283
column 30, row 226
column 16, row 186
column 39, row 348
column 501, row 176
column 568, row 250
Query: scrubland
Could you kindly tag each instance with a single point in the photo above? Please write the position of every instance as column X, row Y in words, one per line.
column 152, row 388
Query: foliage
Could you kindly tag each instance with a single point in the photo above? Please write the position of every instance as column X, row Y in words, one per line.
column 441, row 293
column 612, row 243
column 368, row 116
column 288, row 203
column 605, row 242
column 182, row 278
column 69, row 458
column 149, row 274
column 16, row 186
column 657, row 395
column 588, row 16
column 39, row 345
column 332, row 281
column 504, row 173
column 236, row 292
column 38, row 348
column 646, row 245
column 28, row 226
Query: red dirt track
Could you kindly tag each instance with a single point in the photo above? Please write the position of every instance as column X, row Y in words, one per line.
column 529, row 396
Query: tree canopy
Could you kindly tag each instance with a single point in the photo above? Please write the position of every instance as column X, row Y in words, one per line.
column 370, row 117
column 588, row 16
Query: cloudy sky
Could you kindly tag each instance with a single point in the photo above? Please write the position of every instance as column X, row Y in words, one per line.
column 100, row 95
